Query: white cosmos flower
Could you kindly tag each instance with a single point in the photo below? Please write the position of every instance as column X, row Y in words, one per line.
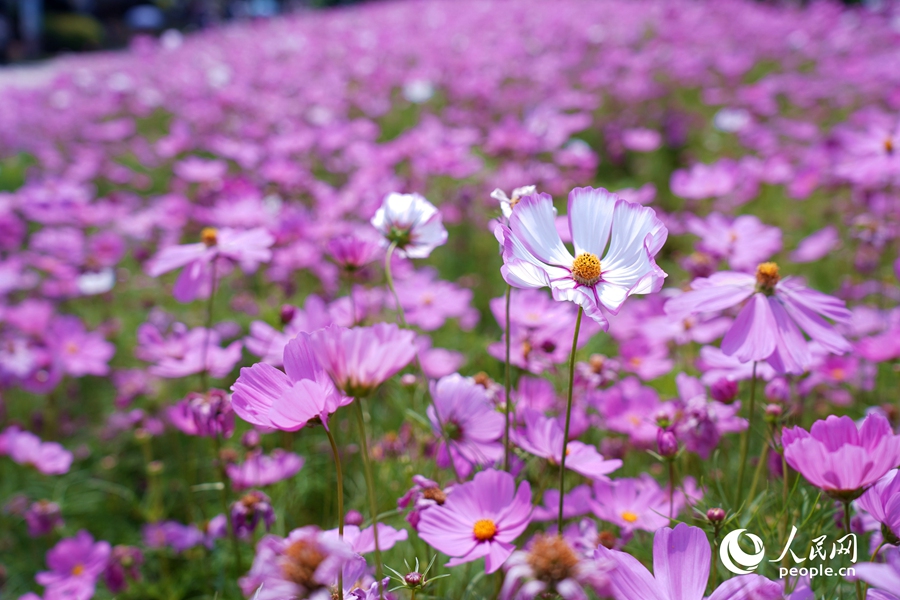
column 507, row 202
column 412, row 223
column 631, row 235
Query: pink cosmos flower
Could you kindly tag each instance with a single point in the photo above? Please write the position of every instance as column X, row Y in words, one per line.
column 840, row 459
column 881, row 503
column 358, row 360
column 26, row 448
column 206, row 414
column 268, row 343
column 261, row 470
column 353, row 252
column 75, row 565
column 544, row 437
column 289, row 399
column 305, row 564
column 534, row 255
column 641, row 139
column 816, row 245
column 508, row 202
column 412, row 223
column 700, row 421
column 428, row 301
column 424, row 494
column 638, row 503
column 248, row 248
column 80, row 352
column 471, row 426
column 883, row 577
column 550, row 564
column 480, row 519
column 680, row 571
column 768, row 326
column 744, row 241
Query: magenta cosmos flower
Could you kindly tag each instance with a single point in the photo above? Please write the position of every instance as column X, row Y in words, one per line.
column 360, row 359
column 471, row 425
column 839, row 459
column 26, row 448
column 248, row 248
column 551, row 566
column 411, row 222
column 289, row 399
column 480, row 519
column 75, row 564
column 680, row 571
column 543, row 437
column 260, row 470
column 534, row 255
column 768, row 326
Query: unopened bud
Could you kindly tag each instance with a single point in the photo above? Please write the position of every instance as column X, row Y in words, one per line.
column 715, row 515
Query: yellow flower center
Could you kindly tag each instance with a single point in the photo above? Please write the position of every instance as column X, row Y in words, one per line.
column 838, row 373
column 209, row 236
column 586, row 269
column 767, row 276
column 889, row 146
column 78, row 569
column 484, row 530
column 72, row 348
column 629, row 516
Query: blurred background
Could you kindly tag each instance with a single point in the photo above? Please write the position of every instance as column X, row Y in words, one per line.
column 31, row 29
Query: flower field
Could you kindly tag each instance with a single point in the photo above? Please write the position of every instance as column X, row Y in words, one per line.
column 458, row 299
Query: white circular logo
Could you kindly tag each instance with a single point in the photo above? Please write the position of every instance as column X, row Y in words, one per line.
column 735, row 559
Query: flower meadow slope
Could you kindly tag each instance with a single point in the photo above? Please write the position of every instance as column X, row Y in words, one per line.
column 458, row 300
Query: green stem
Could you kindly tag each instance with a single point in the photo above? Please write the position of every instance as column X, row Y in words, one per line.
column 562, row 460
column 761, row 466
column 370, row 488
column 390, row 282
column 745, row 444
column 340, row 498
column 506, row 385
column 859, row 592
column 402, row 316
column 235, row 544
column 672, row 489
column 204, row 374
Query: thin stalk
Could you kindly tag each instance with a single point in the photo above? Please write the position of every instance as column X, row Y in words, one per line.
column 370, row 488
column 402, row 316
column 859, row 592
column 390, row 282
column 762, row 465
column 745, row 444
column 209, row 320
column 672, row 489
column 235, row 544
column 562, row 461
column 340, row 498
column 507, row 386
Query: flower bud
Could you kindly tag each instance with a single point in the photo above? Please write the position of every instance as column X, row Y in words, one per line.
column 724, row 390
column 666, row 443
column 715, row 515
column 287, row 313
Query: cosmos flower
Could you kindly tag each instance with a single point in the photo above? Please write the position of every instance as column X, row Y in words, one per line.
column 358, row 360
column 305, row 564
column 549, row 565
column 289, row 399
column 680, row 571
column 206, row 414
column 840, row 459
column 248, row 248
column 508, row 202
column 471, row 426
column 480, row 519
column 882, row 503
column 75, row 565
column 412, row 223
column 248, row 511
column 743, row 241
column 638, row 503
column 424, row 494
column 43, row 517
column 261, row 470
column 544, row 437
column 26, row 448
column 768, row 326
column 362, row 541
column 883, row 577
column 534, row 255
